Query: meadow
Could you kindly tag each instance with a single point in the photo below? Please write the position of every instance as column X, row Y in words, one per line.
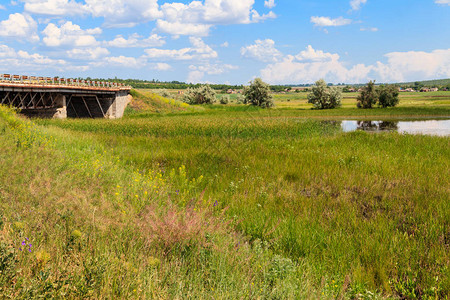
column 225, row 202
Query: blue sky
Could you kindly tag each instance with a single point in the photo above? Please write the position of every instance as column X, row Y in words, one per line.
column 228, row 41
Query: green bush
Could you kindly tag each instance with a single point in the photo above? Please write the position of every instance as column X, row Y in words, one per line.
column 324, row 97
column 240, row 99
column 368, row 97
column 388, row 96
column 225, row 99
column 258, row 94
column 204, row 94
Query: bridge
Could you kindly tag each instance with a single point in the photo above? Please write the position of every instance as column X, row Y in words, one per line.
column 54, row 97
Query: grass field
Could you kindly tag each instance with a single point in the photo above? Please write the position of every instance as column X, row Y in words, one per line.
column 225, row 202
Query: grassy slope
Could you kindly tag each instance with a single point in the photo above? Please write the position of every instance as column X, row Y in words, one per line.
column 347, row 213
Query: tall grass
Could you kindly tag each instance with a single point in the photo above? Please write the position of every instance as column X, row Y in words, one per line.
column 290, row 207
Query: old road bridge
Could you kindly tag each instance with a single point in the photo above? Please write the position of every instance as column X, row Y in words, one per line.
column 62, row 97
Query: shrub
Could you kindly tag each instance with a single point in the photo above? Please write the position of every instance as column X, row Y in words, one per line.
column 240, row 99
column 388, row 96
column 225, row 99
column 258, row 94
column 324, row 97
column 204, row 94
column 368, row 96
column 164, row 93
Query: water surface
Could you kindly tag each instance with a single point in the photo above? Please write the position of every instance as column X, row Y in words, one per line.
column 428, row 127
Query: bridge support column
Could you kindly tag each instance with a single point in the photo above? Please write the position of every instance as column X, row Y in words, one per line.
column 61, row 107
column 118, row 105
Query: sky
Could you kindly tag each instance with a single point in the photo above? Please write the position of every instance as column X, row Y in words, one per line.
column 228, row 41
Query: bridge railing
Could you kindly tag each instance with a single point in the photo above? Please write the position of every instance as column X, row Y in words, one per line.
column 22, row 79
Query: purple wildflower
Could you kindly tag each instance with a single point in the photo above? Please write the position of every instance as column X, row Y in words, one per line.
column 23, row 243
column 215, row 203
column 20, row 248
column 29, row 250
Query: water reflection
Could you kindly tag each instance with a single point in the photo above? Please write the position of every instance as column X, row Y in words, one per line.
column 429, row 127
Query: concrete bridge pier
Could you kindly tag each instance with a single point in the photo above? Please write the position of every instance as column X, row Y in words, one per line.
column 118, row 105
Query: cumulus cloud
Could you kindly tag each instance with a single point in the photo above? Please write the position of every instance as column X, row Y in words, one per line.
column 356, row 4
column 198, row 50
column 196, row 18
column 213, row 69
column 87, row 53
column 178, row 28
column 69, row 34
column 310, row 65
column 21, row 26
column 412, row 65
column 22, row 61
column 54, row 7
column 444, row 2
column 160, row 66
column 262, row 50
column 326, row 21
column 269, row 3
column 135, row 40
column 124, row 13
column 315, row 55
column 197, row 72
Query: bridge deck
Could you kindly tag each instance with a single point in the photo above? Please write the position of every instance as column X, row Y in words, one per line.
column 62, row 97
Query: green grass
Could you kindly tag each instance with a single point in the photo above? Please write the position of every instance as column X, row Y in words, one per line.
column 265, row 203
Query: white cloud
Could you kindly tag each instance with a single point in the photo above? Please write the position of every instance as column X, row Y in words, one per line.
column 269, row 3
column 311, row 64
column 160, row 66
column 2, row 7
column 312, row 55
column 178, row 28
column 19, row 26
column 196, row 18
column 371, row 29
column 262, row 50
column 198, row 71
column 199, row 50
column 213, row 69
column 326, row 21
column 445, row 2
column 256, row 17
column 135, row 40
column 195, row 77
column 24, row 62
column 69, row 34
column 413, row 65
column 87, row 53
column 356, row 4
column 225, row 45
column 58, row 8
column 124, row 13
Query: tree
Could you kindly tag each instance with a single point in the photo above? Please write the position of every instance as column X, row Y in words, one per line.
column 258, row 93
column 203, row 94
column 368, row 96
column 323, row 96
column 388, row 96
